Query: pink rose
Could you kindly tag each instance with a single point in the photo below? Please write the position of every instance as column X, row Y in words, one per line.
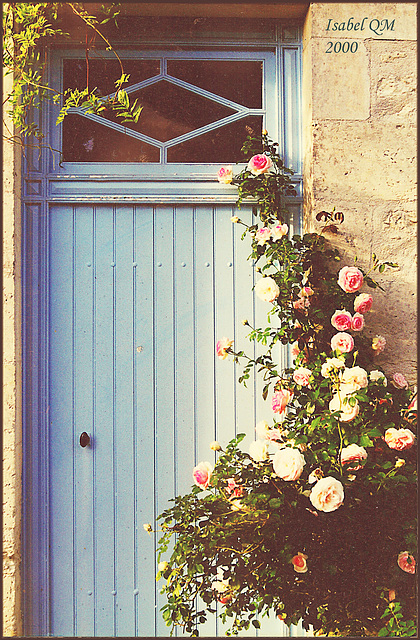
column 399, row 439
column 327, row 495
column 341, row 320
column 342, row 342
column 259, row 164
column 357, row 322
column 279, row 231
column 273, row 435
column 301, row 304
column 295, row 349
column 353, row 454
column 363, row 303
column 221, row 347
column 225, row 175
column 307, row 291
column 202, row 474
column 350, row 279
column 234, row 489
column 378, row 344
column 301, row 376
column 280, row 400
column 263, row 235
column 406, row 562
column 399, row 381
column 299, row 563
column 288, row 464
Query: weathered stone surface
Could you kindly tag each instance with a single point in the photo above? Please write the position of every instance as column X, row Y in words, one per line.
column 403, row 14
column 363, row 162
column 347, row 96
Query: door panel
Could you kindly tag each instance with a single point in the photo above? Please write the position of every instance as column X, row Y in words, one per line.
column 138, row 297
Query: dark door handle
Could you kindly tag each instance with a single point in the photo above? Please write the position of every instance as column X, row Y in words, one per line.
column 84, row 439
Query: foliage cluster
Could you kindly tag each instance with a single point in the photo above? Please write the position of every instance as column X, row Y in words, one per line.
column 252, row 538
column 28, row 30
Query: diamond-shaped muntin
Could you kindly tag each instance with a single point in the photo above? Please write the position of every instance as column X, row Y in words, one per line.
column 240, row 109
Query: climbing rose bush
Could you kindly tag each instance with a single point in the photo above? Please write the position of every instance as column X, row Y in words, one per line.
column 316, row 519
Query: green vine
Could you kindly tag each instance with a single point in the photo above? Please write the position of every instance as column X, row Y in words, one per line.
column 28, row 30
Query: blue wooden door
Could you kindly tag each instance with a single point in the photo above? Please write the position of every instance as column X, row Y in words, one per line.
column 134, row 270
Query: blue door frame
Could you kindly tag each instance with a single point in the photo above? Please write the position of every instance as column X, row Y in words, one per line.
column 131, row 272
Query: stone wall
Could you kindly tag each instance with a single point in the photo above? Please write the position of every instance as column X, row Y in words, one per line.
column 360, row 152
column 12, row 434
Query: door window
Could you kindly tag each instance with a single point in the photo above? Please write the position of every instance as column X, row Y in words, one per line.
column 195, row 109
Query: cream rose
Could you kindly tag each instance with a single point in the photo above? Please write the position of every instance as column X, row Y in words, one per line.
column 301, row 376
column 353, row 454
column 202, row 474
column 399, row 439
column 327, row 495
column 262, row 429
column 259, row 163
column 350, row 279
column 342, row 342
column 363, row 303
column 288, row 464
column 330, row 364
column 258, row 450
column 267, row 289
column 279, row 231
column 348, row 412
column 378, row 376
column 225, row 175
column 341, row 320
column 356, row 376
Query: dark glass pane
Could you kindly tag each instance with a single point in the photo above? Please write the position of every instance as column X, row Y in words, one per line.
column 102, row 73
column 240, row 81
column 221, row 145
column 87, row 141
column 170, row 111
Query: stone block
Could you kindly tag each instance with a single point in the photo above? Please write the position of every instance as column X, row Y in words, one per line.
column 383, row 21
column 393, row 81
column 340, row 83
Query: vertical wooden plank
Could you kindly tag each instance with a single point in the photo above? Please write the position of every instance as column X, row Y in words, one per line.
column 244, row 310
column 224, row 306
column 144, row 391
column 62, row 437
column 164, row 345
column 185, row 342
column 83, row 418
column 123, row 444
column 204, row 363
column 103, row 423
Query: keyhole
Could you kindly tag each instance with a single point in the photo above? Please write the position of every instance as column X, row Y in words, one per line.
column 84, row 439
